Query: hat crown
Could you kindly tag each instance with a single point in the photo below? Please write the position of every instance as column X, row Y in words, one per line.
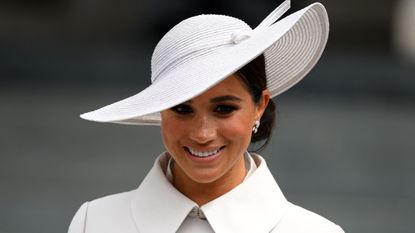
column 193, row 38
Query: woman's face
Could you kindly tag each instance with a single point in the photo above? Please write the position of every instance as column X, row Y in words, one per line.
column 208, row 134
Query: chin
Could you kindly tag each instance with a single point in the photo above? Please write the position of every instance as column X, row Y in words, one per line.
column 205, row 177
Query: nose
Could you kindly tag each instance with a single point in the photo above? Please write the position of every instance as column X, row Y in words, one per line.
column 203, row 130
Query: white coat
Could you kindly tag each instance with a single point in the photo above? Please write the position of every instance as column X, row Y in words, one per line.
column 257, row 205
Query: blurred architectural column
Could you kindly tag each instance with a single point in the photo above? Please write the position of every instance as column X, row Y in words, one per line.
column 403, row 33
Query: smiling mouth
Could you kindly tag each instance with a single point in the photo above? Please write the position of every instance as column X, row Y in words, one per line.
column 203, row 154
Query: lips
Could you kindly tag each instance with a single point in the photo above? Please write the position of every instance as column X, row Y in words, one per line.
column 203, row 154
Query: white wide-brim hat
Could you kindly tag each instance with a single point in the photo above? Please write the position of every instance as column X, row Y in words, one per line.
column 203, row 50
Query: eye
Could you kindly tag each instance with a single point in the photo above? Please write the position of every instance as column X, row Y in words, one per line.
column 225, row 109
column 182, row 109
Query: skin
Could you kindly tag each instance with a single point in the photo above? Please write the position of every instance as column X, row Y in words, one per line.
column 222, row 117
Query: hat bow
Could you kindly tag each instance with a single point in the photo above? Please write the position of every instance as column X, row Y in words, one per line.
column 241, row 35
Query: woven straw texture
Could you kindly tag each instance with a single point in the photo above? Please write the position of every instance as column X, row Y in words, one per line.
column 203, row 50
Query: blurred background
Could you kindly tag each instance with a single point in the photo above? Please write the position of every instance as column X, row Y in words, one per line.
column 344, row 145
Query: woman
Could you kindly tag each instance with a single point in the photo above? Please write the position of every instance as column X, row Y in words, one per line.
column 213, row 78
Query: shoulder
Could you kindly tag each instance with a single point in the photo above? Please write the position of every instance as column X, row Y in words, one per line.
column 103, row 214
column 295, row 218
column 111, row 203
column 78, row 221
column 298, row 219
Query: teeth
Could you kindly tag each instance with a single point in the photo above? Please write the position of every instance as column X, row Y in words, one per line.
column 203, row 153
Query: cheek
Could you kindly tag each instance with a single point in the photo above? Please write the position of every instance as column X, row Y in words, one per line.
column 171, row 130
column 238, row 128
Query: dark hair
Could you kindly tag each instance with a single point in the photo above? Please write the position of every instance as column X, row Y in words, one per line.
column 253, row 76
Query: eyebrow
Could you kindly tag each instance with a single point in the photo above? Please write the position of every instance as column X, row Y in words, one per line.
column 225, row 98
column 221, row 98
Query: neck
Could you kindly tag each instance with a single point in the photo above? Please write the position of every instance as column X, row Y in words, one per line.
column 202, row 193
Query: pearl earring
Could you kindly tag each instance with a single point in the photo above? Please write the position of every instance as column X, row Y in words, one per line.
column 256, row 126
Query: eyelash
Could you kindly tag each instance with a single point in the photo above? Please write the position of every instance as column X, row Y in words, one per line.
column 182, row 109
column 225, row 109
column 222, row 109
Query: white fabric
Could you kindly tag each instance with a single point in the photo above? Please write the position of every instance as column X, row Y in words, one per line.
column 203, row 50
column 250, row 164
column 255, row 206
column 196, row 217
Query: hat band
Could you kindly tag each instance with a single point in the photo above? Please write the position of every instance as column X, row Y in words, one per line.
column 187, row 58
column 241, row 35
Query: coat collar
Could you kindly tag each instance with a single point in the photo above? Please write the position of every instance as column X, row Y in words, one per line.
column 256, row 205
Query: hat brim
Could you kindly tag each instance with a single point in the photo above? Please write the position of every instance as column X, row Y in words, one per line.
column 291, row 46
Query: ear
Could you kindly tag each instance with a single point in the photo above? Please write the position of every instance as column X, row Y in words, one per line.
column 262, row 104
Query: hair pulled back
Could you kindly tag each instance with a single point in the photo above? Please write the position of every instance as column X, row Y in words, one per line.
column 253, row 76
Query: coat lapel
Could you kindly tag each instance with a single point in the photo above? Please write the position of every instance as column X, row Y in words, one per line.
column 157, row 206
column 256, row 205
